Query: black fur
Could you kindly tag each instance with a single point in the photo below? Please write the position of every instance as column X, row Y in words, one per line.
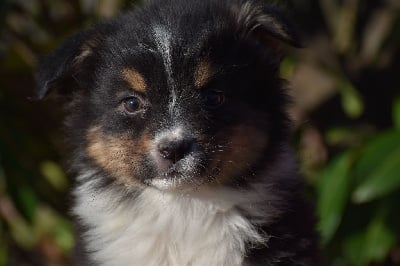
column 241, row 40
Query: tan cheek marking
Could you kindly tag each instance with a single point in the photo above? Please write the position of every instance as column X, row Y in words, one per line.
column 244, row 148
column 120, row 156
column 135, row 79
column 202, row 74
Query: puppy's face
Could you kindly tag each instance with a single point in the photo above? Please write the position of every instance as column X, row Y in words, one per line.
column 175, row 99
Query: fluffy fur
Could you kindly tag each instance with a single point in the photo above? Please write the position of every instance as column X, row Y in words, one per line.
column 179, row 137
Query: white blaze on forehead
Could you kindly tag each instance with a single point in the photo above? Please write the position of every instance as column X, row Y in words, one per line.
column 163, row 40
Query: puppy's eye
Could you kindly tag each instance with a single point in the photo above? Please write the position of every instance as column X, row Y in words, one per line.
column 214, row 98
column 131, row 104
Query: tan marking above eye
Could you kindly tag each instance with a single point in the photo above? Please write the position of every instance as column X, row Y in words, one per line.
column 203, row 74
column 135, row 79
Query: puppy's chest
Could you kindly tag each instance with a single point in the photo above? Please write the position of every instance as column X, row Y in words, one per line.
column 165, row 229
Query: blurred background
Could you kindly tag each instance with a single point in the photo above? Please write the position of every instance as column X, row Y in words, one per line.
column 346, row 86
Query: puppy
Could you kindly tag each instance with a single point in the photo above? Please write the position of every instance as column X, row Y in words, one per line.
column 179, row 135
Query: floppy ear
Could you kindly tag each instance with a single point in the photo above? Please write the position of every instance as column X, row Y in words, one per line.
column 65, row 68
column 267, row 23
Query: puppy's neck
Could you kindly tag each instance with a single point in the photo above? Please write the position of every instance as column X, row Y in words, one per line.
column 166, row 228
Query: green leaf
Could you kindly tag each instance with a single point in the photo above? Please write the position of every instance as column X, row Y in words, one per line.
column 54, row 175
column 50, row 223
column 335, row 136
column 353, row 248
column 374, row 152
column 370, row 245
column 352, row 101
column 22, row 233
column 384, row 179
column 28, row 201
column 333, row 193
column 346, row 137
column 396, row 113
column 287, row 67
column 63, row 235
column 378, row 241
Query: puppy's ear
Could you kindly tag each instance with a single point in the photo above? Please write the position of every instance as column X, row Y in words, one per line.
column 267, row 23
column 67, row 67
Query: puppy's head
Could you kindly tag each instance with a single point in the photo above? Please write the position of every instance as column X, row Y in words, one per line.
column 175, row 94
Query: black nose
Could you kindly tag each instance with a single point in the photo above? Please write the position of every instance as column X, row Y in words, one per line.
column 175, row 150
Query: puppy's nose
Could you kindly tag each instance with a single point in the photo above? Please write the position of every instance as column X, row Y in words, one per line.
column 175, row 150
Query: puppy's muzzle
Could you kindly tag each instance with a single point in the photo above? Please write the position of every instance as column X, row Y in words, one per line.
column 176, row 149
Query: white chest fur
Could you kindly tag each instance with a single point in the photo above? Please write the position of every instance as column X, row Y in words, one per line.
column 160, row 228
